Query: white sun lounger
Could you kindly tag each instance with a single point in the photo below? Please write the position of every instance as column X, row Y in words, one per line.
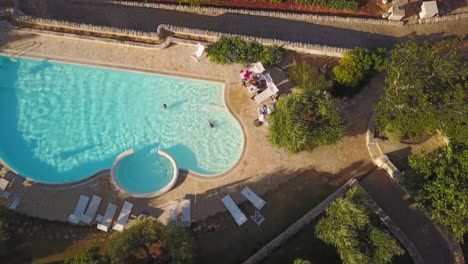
column 16, row 200
column 185, row 213
column 198, row 52
column 257, row 67
column 3, row 184
column 79, row 210
column 267, row 78
column 107, row 218
column 173, row 211
column 253, row 198
column 236, row 213
column 122, row 219
column 92, row 209
column 269, row 91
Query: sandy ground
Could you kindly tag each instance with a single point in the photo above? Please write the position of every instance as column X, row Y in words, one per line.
column 260, row 163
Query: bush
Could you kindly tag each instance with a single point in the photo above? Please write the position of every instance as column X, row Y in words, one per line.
column 352, row 227
column 357, row 65
column 301, row 122
column 307, row 78
column 192, row 3
column 5, row 230
column 335, row 4
column 236, row 50
column 148, row 241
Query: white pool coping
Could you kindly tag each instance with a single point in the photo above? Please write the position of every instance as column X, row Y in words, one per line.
column 165, row 189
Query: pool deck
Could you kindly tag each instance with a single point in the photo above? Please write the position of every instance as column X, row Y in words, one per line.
column 260, row 163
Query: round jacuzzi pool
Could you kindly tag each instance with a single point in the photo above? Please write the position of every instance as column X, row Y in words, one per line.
column 144, row 173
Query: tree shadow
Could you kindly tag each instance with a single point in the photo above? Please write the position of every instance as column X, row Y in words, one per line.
column 289, row 194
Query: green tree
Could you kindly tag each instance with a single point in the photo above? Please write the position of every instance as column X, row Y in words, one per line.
column 426, row 91
column 91, row 255
column 148, row 241
column 301, row 122
column 307, row 77
column 439, row 183
column 357, row 65
column 351, row 226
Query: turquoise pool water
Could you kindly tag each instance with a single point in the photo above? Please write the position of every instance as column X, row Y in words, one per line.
column 62, row 122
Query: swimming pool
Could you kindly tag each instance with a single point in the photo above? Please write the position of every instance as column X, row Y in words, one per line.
column 62, row 122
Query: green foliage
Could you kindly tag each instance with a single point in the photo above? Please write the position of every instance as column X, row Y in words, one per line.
column 301, row 122
column 352, row 227
column 357, row 65
column 148, row 241
column 233, row 50
column 307, row 78
column 426, row 91
column 439, row 182
column 301, row 261
column 192, row 3
column 92, row 255
column 335, row 4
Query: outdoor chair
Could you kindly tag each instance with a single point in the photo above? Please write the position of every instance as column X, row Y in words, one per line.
column 198, row 52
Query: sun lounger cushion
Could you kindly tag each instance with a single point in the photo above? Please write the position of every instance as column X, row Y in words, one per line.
column 107, row 218
column 92, row 209
column 16, row 200
column 253, row 198
column 79, row 209
column 122, row 219
column 3, row 184
column 185, row 214
column 236, row 213
column 173, row 213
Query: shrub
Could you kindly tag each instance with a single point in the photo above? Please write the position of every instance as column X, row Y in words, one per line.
column 148, row 241
column 335, row 4
column 192, row 3
column 425, row 91
column 307, row 78
column 439, row 183
column 236, row 50
column 357, row 65
column 301, row 122
column 352, row 227
column 5, row 230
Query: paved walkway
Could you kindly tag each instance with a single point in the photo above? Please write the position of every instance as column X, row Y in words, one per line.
column 346, row 35
column 418, row 228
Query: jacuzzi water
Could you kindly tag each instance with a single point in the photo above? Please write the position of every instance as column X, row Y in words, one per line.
column 62, row 122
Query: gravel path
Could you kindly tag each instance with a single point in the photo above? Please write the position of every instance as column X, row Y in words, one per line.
column 346, row 35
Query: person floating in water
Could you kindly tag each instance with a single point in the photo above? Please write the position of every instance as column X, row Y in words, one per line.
column 211, row 123
column 164, row 106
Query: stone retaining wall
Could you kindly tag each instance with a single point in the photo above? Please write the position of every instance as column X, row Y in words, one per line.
column 274, row 14
column 164, row 30
column 87, row 27
column 442, row 18
column 299, row 224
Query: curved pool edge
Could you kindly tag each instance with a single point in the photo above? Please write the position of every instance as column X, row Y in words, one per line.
column 98, row 174
column 163, row 190
column 201, row 176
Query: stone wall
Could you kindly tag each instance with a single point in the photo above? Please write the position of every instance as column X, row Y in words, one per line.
column 299, row 224
column 165, row 30
column 442, row 18
column 274, row 14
